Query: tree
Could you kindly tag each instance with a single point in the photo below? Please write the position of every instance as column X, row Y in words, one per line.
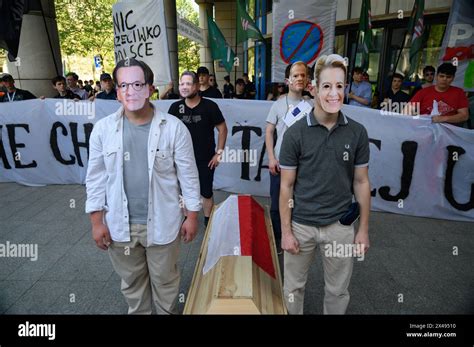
column 188, row 51
column 86, row 28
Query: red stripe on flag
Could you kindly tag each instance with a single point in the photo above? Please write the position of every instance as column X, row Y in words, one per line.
column 254, row 239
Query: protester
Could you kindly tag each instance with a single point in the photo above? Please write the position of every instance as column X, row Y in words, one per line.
column 71, row 79
column 201, row 116
column 229, row 89
column 278, row 89
column 239, row 89
column 140, row 175
column 205, row 89
column 11, row 93
column 107, row 85
column 59, row 84
column 428, row 78
column 280, row 117
column 324, row 162
column 169, row 93
column 443, row 102
column 395, row 96
column 249, row 91
column 88, row 88
column 212, row 81
column 359, row 92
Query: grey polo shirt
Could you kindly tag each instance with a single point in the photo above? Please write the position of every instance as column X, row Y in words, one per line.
column 325, row 161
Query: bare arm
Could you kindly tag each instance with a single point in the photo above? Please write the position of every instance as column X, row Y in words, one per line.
column 461, row 115
column 361, row 186
column 272, row 161
column 221, row 139
column 289, row 242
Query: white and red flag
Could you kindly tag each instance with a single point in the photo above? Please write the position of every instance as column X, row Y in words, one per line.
column 238, row 229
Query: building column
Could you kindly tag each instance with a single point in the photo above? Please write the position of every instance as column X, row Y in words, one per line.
column 37, row 54
column 205, row 8
column 172, row 34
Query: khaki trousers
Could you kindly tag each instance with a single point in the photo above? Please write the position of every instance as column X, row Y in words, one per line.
column 149, row 274
column 337, row 268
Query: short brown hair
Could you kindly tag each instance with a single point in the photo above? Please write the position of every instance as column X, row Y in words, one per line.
column 325, row 61
column 127, row 62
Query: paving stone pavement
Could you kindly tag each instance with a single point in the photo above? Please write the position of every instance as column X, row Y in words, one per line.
column 410, row 268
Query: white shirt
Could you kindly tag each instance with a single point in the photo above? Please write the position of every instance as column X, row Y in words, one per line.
column 171, row 171
column 80, row 92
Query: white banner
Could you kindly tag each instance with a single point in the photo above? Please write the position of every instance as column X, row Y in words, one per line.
column 140, row 32
column 302, row 30
column 416, row 168
column 458, row 43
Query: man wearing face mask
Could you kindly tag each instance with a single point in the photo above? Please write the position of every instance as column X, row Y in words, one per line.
column 324, row 157
column 139, row 165
column 201, row 116
column 280, row 117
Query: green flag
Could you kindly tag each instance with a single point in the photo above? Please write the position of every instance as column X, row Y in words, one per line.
column 220, row 49
column 416, row 29
column 365, row 26
column 246, row 27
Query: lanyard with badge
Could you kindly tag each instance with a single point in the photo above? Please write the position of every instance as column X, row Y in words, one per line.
column 12, row 98
column 296, row 113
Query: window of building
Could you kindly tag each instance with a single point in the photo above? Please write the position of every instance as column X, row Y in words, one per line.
column 339, row 44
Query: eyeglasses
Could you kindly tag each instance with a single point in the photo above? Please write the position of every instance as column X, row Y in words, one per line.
column 137, row 86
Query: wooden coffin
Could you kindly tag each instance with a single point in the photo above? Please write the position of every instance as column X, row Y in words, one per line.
column 236, row 284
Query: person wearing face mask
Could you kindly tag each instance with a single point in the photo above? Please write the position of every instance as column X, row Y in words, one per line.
column 201, row 116
column 280, row 117
column 323, row 158
column 141, row 180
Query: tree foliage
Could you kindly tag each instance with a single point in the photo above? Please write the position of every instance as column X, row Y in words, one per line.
column 86, row 29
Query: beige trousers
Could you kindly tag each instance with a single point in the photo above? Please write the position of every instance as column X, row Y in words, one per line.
column 337, row 267
column 149, row 274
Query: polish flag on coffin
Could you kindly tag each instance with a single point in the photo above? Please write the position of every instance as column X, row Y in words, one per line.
column 238, row 228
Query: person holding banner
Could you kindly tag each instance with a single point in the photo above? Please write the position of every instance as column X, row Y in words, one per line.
column 284, row 113
column 141, row 179
column 444, row 102
column 201, row 116
column 323, row 158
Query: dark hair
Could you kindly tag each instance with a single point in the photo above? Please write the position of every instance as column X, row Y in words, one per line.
column 239, row 81
column 73, row 75
column 447, row 69
column 245, row 74
column 429, row 68
column 357, row 69
column 397, row 75
column 58, row 79
column 80, row 81
column 192, row 74
column 149, row 77
column 227, row 78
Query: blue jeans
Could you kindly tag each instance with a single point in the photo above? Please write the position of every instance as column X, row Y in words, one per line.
column 274, row 207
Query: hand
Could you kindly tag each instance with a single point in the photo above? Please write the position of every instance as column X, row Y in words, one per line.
column 92, row 98
column 289, row 243
column 351, row 95
column 101, row 236
column 214, row 161
column 189, row 229
column 274, row 166
column 76, row 99
column 362, row 238
column 42, row 97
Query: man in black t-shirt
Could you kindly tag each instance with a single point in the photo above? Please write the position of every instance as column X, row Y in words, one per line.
column 201, row 116
column 205, row 89
column 59, row 83
column 249, row 89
